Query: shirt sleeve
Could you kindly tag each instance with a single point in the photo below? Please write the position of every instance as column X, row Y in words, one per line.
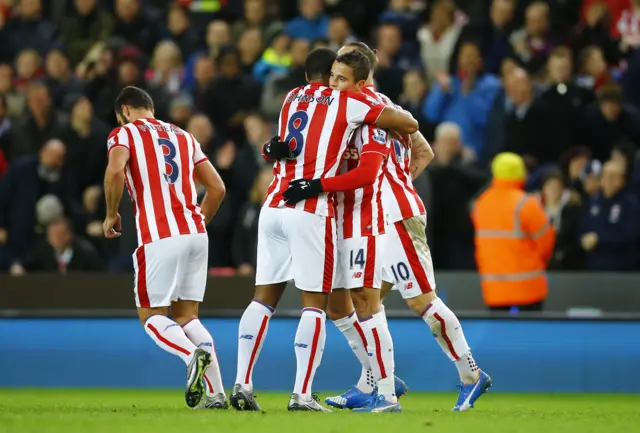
column 117, row 138
column 198, row 155
column 362, row 109
column 374, row 139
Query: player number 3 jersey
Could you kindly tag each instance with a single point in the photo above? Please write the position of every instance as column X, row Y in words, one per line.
column 160, row 178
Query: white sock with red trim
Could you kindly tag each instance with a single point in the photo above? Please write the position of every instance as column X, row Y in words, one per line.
column 170, row 337
column 446, row 327
column 380, row 347
column 199, row 336
column 352, row 331
column 309, row 347
column 251, row 335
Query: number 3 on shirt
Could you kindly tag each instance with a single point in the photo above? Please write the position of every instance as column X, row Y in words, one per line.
column 296, row 125
column 171, row 170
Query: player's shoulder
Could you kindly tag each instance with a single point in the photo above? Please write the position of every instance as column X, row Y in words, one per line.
column 363, row 97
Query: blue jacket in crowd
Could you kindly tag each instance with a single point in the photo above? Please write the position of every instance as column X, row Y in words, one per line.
column 303, row 28
column 616, row 222
column 469, row 111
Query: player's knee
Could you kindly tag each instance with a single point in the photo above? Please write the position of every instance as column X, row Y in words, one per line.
column 419, row 303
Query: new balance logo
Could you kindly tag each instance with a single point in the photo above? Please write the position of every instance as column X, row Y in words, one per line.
column 171, row 326
column 302, row 345
column 246, row 337
column 205, row 344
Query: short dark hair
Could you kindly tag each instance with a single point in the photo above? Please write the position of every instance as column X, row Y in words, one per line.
column 610, row 93
column 358, row 62
column 366, row 50
column 318, row 63
column 134, row 97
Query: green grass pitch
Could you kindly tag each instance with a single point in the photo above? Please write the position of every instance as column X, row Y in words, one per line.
column 160, row 411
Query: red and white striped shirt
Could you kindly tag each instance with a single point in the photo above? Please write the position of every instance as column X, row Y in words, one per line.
column 318, row 121
column 400, row 199
column 360, row 212
column 160, row 178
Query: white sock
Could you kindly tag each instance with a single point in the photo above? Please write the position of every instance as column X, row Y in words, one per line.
column 251, row 335
column 200, row 337
column 309, row 347
column 352, row 331
column 380, row 347
column 170, row 337
column 446, row 327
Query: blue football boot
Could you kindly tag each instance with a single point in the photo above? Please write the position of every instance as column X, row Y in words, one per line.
column 401, row 387
column 352, row 399
column 470, row 393
column 380, row 404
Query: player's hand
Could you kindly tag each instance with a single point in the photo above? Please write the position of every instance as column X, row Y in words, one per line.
column 301, row 189
column 112, row 226
column 276, row 149
column 404, row 139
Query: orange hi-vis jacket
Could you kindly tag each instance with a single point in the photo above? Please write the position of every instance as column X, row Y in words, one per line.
column 514, row 242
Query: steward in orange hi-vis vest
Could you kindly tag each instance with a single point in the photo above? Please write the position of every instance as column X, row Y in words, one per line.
column 513, row 237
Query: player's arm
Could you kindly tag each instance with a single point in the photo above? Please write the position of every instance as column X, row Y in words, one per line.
column 421, row 154
column 398, row 120
column 363, row 175
column 114, row 188
column 207, row 176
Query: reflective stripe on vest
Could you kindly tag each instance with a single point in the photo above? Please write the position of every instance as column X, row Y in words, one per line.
column 517, row 232
column 516, row 276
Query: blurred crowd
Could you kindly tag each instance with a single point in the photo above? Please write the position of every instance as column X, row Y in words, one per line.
column 555, row 81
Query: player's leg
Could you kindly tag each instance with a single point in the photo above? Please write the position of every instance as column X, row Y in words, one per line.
column 313, row 250
column 413, row 273
column 184, row 311
column 272, row 273
column 156, row 282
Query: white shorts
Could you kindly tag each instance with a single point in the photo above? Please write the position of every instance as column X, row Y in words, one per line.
column 407, row 260
column 171, row 269
column 359, row 263
column 296, row 245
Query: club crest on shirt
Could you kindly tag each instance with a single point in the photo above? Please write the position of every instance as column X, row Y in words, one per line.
column 379, row 136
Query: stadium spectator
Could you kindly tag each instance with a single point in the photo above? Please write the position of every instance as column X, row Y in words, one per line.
column 610, row 121
column 402, row 14
column 627, row 27
column 563, row 208
column 280, row 83
column 275, row 58
column 180, row 110
column 85, row 138
column 90, row 25
column 464, row 99
column 458, row 179
column 563, row 102
column 594, row 31
column 204, row 72
column 61, row 252
column 394, row 59
column 40, row 123
column 182, row 34
column 202, row 130
column 60, row 79
column 438, row 39
column 24, row 184
column 513, row 239
column 609, row 226
column 239, row 92
column 631, row 80
column 311, row 24
column 593, row 67
column 250, row 49
column 166, row 70
column 134, row 26
column 414, row 92
column 339, row 32
column 29, row 29
column 28, row 68
column 15, row 100
column 245, row 239
column 533, row 43
column 494, row 36
column 254, row 17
